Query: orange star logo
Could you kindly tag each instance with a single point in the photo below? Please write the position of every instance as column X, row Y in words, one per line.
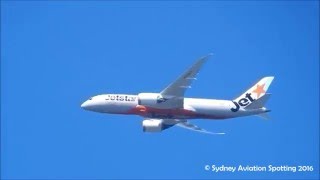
column 259, row 90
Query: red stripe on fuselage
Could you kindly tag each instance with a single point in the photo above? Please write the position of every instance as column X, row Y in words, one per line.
column 142, row 110
column 173, row 113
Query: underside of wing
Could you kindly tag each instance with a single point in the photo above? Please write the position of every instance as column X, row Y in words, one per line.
column 158, row 125
column 193, row 127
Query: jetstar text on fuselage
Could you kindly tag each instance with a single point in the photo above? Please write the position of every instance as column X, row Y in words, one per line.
column 120, row 98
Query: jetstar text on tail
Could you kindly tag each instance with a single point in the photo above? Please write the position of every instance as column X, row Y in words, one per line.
column 242, row 102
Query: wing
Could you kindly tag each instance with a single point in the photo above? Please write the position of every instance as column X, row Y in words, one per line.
column 179, row 86
column 192, row 127
column 184, row 124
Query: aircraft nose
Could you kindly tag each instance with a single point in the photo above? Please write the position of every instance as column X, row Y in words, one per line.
column 85, row 105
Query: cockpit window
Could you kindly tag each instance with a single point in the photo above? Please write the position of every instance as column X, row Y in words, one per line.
column 90, row 98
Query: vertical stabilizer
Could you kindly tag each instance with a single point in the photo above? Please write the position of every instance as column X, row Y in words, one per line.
column 258, row 90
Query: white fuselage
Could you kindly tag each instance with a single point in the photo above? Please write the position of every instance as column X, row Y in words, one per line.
column 169, row 107
column 193, row 108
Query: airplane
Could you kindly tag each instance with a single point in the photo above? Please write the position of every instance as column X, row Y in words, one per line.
column 170, row 107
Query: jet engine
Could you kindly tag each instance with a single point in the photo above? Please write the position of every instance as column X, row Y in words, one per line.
column 151, row 100
column 155, row 100
column 152, row 125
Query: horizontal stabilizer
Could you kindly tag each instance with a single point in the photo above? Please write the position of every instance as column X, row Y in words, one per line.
column 264, row 115
column 259, row 103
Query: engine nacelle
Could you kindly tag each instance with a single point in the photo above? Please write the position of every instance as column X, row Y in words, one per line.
column 151, row 100
column 152, row 125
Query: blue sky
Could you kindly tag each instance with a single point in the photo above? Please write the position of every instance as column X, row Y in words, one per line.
column 55, row 55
